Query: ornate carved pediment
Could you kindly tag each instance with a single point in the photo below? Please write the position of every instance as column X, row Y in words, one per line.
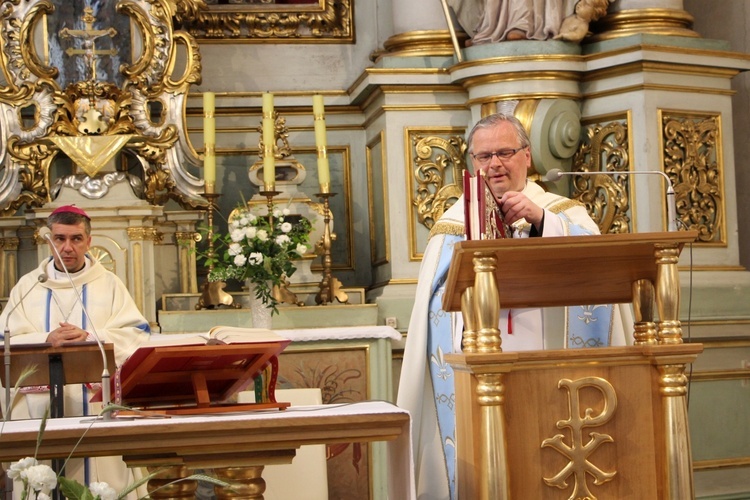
column 76, row 72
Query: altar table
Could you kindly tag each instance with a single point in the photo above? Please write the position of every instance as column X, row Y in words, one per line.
column 221, row 440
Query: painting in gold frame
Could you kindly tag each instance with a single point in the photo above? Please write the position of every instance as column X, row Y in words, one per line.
column 293, row 21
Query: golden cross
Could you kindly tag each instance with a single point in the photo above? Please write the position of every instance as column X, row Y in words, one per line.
column 89, row 35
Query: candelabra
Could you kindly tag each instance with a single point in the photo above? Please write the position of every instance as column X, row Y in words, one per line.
column 330, row 287
column 269, row 192
column 213, row 294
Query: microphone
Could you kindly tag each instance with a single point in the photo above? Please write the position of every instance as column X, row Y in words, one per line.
column 556, row 174
column 105, row 372
column 6, row 341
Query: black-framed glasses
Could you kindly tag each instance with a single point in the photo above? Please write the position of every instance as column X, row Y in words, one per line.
column 503, row 154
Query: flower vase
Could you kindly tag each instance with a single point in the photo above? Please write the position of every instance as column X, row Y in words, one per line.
column 260, row 312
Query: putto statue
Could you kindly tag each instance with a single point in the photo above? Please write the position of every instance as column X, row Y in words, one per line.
column 576, row 26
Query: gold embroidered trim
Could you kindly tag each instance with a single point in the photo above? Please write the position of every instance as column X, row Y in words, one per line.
column 564, row 205
column 447, row 228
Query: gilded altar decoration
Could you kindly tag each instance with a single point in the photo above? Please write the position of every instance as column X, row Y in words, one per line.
column 90, row 91
column 579, row 450
column 437, row 165
column 607, row 197
column 693, row 162
column 250, row 21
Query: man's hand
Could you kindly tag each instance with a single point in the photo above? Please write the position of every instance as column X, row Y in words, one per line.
column 516, row 206
column 66, row 333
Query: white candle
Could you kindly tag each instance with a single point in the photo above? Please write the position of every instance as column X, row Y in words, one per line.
column 269, row 141
column 324, row 174
column 209, row 141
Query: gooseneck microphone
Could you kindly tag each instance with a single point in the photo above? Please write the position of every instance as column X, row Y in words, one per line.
column 105, row 372
column 556, row 174
column 6, row 341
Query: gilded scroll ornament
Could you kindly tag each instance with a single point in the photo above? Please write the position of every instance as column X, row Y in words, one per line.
column 438, row 166
column 692, row 162
column 246, row 21
column 104, row 69
column 606, row 197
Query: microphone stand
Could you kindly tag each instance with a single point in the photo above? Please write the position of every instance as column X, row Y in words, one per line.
column 6, row 343
column 556, row 174
column 105, row 372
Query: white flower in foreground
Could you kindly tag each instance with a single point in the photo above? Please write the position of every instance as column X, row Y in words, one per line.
column 286, row 227
column 102, row 490
column 252, row 217
column 42, row 496
column 276, row 213
column 237, row 235
column 256, row 258
column 239, row 260
column 282, row 239
column 301, row 249
column 262, row 235
column 17, row 468
column 286, row 211
column 250, row 232
column 235, row 249
column 40, row 477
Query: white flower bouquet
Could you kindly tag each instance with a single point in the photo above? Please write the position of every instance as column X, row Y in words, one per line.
column 260, row 248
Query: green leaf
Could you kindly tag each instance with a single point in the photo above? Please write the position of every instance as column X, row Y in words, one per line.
column 73, row 490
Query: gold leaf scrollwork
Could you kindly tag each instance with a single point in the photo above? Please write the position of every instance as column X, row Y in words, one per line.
column 435, row 158
column 326, row 20
column 691, row 162
column 604, row 148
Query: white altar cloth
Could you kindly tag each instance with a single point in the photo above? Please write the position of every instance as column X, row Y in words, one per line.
column 127, row 436
column 313, row 334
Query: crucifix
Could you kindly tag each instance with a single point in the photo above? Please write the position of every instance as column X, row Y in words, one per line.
column 89, row 36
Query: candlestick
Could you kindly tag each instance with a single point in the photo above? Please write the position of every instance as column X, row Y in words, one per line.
column 213, row 294
column 324, row 174
column 269, row 143
column 330, row 287
column 209, row 140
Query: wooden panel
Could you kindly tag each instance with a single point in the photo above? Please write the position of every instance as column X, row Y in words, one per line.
column 535, row 404
column 571, row 270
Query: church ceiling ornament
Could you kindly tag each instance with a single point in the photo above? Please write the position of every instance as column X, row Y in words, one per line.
column 258, row 21
column 92, row 80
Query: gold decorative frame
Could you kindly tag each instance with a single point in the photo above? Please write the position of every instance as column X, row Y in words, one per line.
column 435, row 161
column 692, row 157
column 320, row 21
column 377, row 194
column 606, row 145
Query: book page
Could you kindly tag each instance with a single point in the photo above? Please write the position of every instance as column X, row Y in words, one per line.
column 233, row 334
column 222, row 334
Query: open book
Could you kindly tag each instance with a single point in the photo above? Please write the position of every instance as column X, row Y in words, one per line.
column 216, row 336
column 482, row 215
column 196, row 373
